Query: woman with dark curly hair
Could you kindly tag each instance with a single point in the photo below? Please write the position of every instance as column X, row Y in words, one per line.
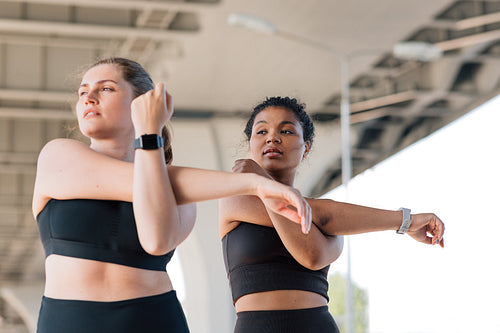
column 277, row 274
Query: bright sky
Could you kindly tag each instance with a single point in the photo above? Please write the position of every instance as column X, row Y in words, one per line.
column 417, row 288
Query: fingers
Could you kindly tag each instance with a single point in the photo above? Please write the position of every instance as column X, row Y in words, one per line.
column 151, row 110
column 306, row 219
column 438, row 241
column 304, row 212
column 438, row 232
column 159, row 90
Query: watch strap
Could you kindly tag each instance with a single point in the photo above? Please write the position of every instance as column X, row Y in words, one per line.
column 406, row 223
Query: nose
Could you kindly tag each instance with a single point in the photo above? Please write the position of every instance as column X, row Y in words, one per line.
column 90, row 98
column 273, row 138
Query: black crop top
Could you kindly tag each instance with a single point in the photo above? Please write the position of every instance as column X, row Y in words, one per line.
column 256, row 260
column 101, row 230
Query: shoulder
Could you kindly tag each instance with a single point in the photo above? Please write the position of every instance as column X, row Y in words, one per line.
column 56, row 156
column 241, row 208
column 57, row 146
column 231, row 207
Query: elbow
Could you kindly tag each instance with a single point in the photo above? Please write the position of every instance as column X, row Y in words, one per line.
column 316, row 266
column 316, row 259
column 157, row 248
column 313, row 261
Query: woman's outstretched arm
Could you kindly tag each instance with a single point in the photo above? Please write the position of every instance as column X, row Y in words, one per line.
column 68, row 169
column 339, row 218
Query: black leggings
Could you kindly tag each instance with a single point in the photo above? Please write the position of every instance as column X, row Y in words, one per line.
column 154, row 314
column 313, row 320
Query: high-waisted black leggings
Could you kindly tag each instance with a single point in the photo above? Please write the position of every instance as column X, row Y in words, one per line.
column 313, row 320
column 153, row 314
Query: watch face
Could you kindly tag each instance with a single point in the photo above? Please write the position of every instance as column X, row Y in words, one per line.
column 148, row 141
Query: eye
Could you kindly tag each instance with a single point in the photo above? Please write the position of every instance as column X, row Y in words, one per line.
column 107, row 89
column 261, row 132
column 82, row 93
column 287, row 132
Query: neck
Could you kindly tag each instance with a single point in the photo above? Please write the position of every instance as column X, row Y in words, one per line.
column 287, row 178
column 119, row 149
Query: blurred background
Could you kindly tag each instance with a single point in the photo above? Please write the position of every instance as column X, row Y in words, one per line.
column 377, row 78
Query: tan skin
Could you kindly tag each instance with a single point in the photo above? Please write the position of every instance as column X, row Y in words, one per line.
column 277, row 147
column 110, row 169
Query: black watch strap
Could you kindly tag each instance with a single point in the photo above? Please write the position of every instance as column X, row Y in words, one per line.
column 148, row 142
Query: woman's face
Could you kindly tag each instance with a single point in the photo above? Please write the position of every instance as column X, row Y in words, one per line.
column 277, row 141
column 103, row 107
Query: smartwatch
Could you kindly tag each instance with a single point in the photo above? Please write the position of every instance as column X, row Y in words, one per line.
column 148, row 142
column 406, row 223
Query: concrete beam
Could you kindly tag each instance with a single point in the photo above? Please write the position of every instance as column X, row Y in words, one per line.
column 129, row 4
column 33, row 113
column 86, row 30
column 37, row 95
column 54, row 42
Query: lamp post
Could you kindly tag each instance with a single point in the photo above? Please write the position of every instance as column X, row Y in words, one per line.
column 410, row 50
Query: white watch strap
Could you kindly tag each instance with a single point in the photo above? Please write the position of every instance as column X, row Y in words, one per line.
column 406, row 223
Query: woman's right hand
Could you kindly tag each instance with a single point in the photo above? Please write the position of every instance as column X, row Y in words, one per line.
column 278, row 197
column 286, row 201
column 427, row 228
column 152, row 110
column 246, row 165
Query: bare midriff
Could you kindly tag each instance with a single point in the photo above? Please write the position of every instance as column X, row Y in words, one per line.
column 279, row 300
column 90, row 280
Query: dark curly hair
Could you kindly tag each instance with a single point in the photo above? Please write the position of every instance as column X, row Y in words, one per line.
column 291, row 104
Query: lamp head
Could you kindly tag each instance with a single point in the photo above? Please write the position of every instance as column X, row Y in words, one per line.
column 251, row 22
column 420, row 51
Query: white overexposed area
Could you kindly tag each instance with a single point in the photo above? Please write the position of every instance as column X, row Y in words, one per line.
column 413, row 287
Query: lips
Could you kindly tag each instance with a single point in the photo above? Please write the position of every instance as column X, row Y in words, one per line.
column 89, row 113
column 272, row 152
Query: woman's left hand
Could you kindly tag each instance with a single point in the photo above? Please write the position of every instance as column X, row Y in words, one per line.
column 152, row 110
column 427, row 228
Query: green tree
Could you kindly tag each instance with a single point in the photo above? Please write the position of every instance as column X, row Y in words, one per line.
column 337, row 303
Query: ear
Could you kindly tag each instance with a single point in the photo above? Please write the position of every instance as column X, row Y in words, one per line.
column 307, row 146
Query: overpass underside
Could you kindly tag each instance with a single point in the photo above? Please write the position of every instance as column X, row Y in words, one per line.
column 216, row 73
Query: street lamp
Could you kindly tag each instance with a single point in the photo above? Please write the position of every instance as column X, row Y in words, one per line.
column 261, row 25
column 420, row 51
column 409, row 50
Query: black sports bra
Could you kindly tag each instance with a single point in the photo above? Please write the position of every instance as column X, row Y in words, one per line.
column 101, row 230
column 256, row 260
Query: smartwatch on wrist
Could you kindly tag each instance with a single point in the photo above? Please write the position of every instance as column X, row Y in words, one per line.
column 406, row 223
column 148, row 142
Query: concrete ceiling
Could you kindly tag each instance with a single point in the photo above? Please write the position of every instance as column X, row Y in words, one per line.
column 217, row 72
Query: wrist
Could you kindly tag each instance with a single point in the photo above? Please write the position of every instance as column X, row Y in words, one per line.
column 256, row 183
column 406, row 221
column 148, row 142
column 147, row 130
